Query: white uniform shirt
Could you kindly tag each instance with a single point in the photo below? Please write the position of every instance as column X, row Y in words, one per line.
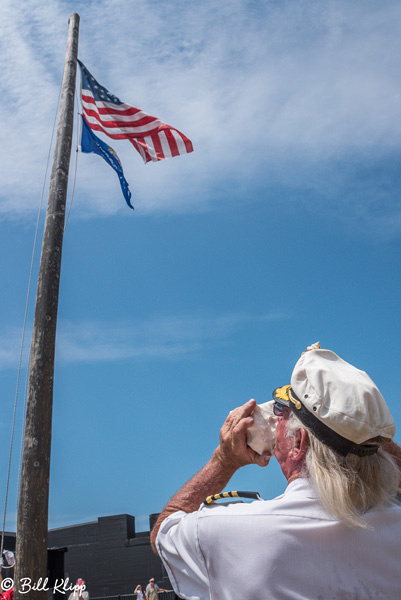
column 288, row 548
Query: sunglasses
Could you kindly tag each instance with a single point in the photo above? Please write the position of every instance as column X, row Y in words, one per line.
column 280, row 409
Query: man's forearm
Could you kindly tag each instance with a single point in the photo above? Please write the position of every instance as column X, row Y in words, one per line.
column 212, row 479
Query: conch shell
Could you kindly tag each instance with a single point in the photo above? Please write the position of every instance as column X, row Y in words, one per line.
column 261, row 436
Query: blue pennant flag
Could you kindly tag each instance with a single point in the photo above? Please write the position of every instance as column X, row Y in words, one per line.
column 91, row 143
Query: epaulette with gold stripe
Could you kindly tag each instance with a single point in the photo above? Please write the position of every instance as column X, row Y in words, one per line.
column 251, row 495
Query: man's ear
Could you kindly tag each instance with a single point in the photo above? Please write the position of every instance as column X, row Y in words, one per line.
column 301, row 443
column 305, row 440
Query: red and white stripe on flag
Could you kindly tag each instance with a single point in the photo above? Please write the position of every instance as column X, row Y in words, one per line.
column 153, row 139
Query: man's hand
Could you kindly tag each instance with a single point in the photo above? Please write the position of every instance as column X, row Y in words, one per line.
column 233, row 451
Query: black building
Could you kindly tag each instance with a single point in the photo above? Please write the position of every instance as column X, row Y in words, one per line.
column 108, row 554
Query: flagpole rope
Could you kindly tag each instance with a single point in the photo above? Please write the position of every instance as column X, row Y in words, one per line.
column 76, row 162
column 23, row 340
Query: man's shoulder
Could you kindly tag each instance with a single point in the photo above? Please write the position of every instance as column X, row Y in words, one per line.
column 298, row 499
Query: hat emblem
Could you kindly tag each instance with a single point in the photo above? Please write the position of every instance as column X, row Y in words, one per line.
column 282, row 393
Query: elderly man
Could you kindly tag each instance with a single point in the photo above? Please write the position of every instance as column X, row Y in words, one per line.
column 152, row 589
column 335, row 532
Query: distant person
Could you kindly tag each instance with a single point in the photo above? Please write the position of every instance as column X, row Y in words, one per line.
column 7, row 595
column 139, row 592
column 8, row 559
column 80, row 592
column 152, row 589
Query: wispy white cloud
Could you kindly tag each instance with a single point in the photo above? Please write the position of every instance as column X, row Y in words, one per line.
column 169, row 337
column 271, row 94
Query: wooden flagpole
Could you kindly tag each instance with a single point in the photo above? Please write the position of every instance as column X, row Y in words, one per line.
column 32, row 520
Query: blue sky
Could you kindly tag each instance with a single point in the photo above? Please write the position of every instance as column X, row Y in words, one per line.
column 282, row 228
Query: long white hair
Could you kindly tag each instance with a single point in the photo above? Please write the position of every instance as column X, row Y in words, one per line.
column 348, row 486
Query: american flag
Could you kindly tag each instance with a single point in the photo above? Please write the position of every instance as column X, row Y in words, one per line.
column 153, row 139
